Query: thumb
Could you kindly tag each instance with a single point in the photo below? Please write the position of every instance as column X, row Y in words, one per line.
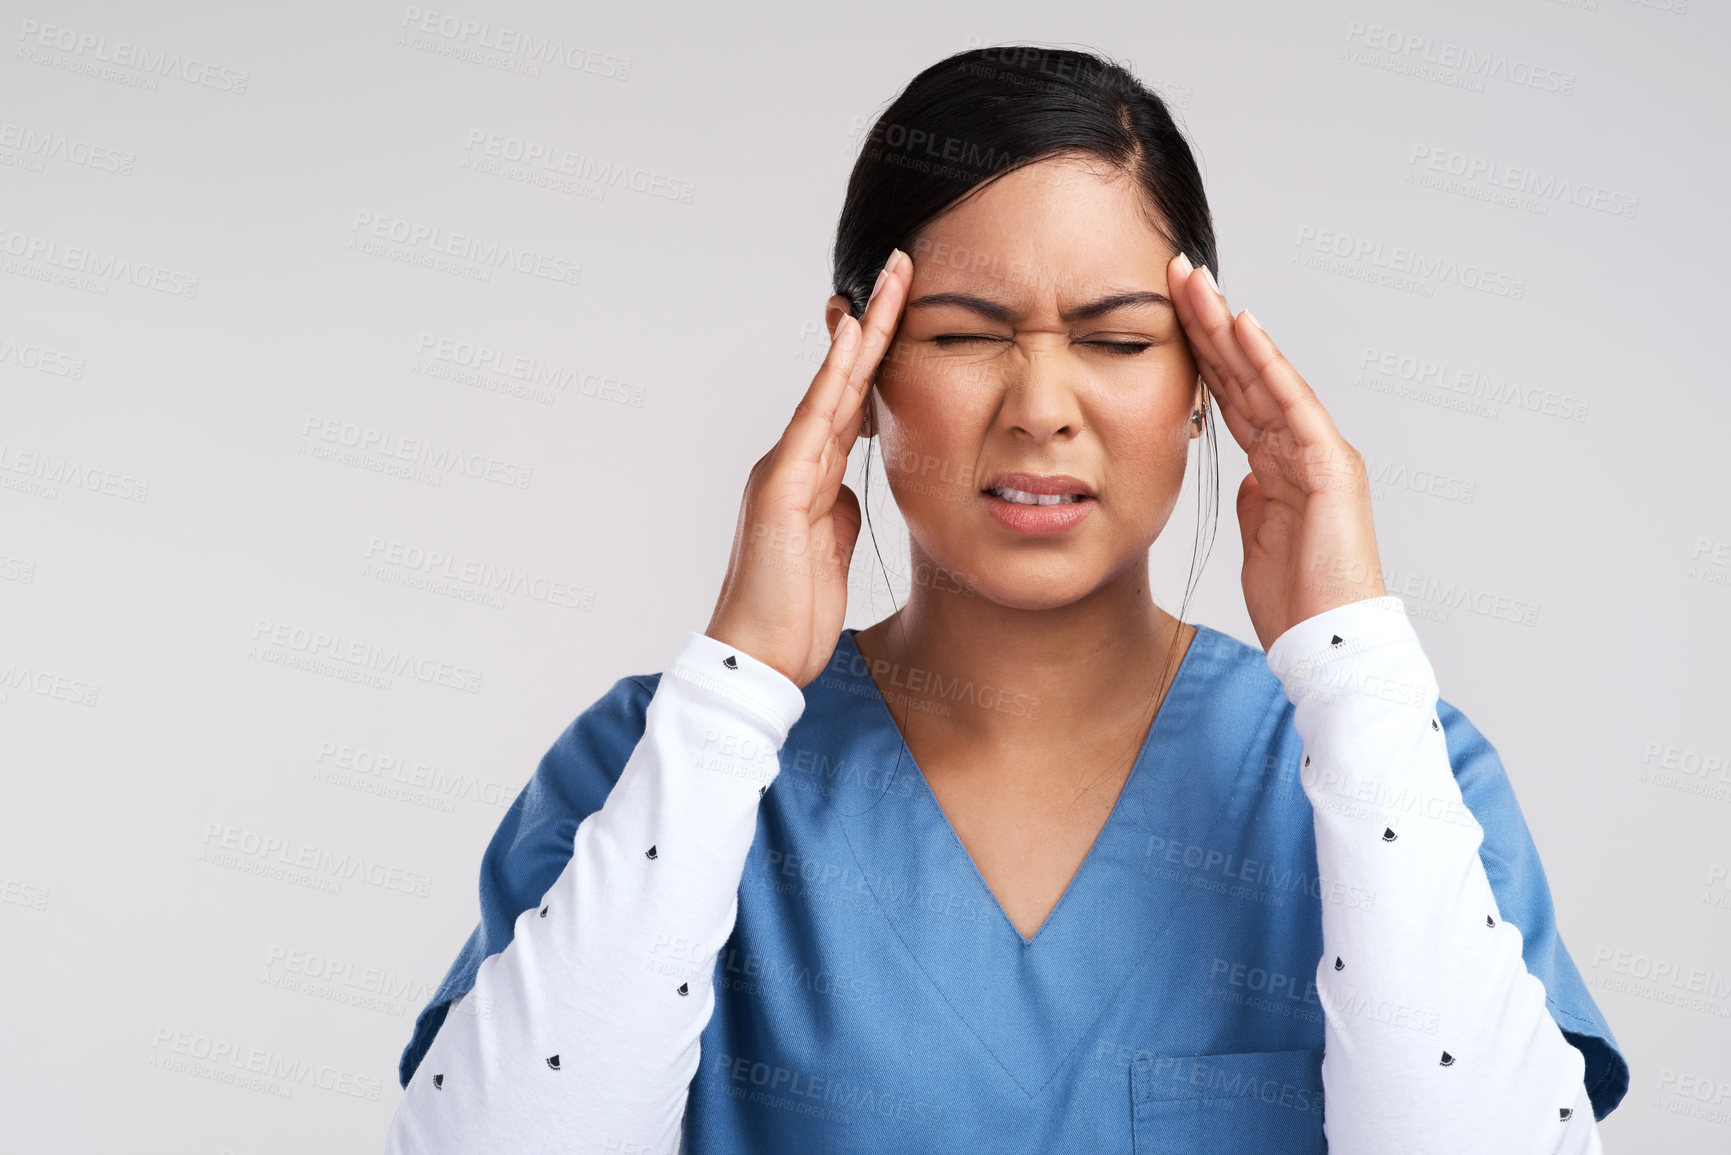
column 1250, row 502
column 845, row 517
column 833, row 535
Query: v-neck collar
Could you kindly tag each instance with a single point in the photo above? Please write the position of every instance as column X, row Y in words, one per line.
column 1006, row 988
column 923, row 787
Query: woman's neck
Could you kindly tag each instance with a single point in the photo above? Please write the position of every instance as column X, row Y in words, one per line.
column 994, row 677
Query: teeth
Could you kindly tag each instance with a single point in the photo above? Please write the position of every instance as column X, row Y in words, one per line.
column 1021, row 498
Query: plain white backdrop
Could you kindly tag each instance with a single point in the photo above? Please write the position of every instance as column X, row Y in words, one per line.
column 346, row 455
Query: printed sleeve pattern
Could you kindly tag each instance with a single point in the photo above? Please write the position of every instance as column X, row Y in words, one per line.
column 587, row 1033
column 1497, row 1074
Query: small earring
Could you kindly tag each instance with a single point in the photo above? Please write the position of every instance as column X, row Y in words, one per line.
column 1196, row 416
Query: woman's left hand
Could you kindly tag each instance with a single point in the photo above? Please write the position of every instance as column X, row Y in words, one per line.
column 1304, row 507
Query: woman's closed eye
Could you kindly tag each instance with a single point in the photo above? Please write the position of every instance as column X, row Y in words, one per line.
column 1118, row 348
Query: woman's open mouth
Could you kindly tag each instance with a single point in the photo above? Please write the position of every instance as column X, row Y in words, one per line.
column 1023, row 497
column 1036, row 514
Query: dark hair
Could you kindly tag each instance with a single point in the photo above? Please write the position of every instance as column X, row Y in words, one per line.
column 977, row 115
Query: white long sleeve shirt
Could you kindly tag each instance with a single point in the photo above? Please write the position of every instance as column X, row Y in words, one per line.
column 618, row 958
column 608, row 981
column 1498, row 1076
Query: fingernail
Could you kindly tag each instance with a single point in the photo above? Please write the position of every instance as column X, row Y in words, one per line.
column 883, row 275
column 1254, row 323
column 1184, row 263
column 1212, row 284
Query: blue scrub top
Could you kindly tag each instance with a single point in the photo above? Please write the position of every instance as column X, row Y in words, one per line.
column 874, row 996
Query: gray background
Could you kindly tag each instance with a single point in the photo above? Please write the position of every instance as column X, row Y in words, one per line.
column 164, row 512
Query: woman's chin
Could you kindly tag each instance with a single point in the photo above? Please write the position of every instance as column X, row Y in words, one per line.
column 1023, row 584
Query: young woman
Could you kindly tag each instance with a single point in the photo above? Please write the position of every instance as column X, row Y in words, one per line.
column 1031, row 865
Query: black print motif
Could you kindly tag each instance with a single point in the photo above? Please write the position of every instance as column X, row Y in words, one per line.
column 762, row 790
column 684, row 988
column 1338, row 965
column 730, row 662
column 553, row 1061
column 650, row 853
column 1489, row 921
column 1335, row 641
column 1448, row 1060
column 1435, row 725
column 1565, row 1113
column 544, row 910
column 439, row 1085
column 1388, row 834
column 1307, row 759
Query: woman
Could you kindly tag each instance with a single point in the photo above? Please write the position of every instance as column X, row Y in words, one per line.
column 1103, row 880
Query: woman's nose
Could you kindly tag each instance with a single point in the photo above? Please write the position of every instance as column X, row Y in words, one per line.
column 1039, row 391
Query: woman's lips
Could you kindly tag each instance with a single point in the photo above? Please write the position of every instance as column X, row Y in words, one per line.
column 1037, row 520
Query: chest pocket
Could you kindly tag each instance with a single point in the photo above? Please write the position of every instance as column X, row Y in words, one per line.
column 1245, row 1103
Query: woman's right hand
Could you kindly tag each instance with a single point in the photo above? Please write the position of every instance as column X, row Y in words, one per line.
column 785, row 594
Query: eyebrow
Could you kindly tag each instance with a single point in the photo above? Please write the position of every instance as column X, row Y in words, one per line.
column 1001, row 312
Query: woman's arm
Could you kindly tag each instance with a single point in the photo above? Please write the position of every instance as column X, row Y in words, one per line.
column 595, row 1006
column 1497, row 1075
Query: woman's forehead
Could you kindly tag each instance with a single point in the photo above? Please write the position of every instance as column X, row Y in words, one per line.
column 1023, row 239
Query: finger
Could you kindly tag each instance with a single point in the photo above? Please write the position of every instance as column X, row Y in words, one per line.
column 1268, row 448
column 1237, row 423
column 1299, row 444
column 833, row 461
column 813, row 420
column 1276, row 483
column 839, row 532
column 1212, row 336
column 882, row 315
column 1274, row 393
column 1208, row 362
column 826, row 480
column 878, row 326
column 833, row 537
column 1249, row 505
column 1304, row 411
